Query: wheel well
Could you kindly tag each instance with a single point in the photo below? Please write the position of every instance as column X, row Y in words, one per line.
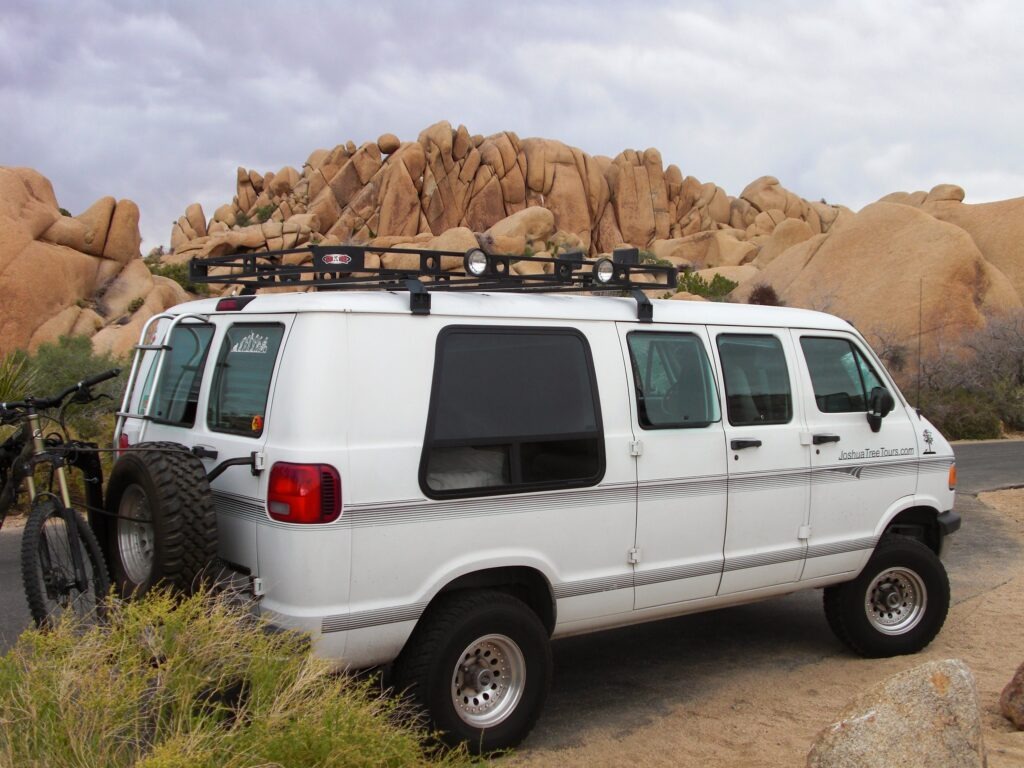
column 918, row 523
column 526, row 584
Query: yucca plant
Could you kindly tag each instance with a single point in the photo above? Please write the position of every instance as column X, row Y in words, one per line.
column 17, row 376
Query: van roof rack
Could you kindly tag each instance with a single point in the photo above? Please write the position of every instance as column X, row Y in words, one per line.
column 345, row 267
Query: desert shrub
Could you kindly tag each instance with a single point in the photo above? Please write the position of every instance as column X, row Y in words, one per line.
column 136, row 304
column 242, row 220
column 961, row 414
column 64, row 211
column 179, row 274
column 17, row 376
column 71, row 359
column 765, row 295
column 193, row 683
column 264, row 212
column 716, row 290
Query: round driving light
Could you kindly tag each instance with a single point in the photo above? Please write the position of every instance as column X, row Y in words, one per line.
column 475, row 262
column 604, row 271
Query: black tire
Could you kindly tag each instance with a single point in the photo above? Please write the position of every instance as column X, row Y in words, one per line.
column 897, row 604
column 177, row 548
column 511, row 690
column 48, row 569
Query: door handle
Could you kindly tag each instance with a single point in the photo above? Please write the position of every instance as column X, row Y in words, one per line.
column 741, row 443
column 822, row 439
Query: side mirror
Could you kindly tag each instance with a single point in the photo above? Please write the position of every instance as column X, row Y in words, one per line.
column 880, row 405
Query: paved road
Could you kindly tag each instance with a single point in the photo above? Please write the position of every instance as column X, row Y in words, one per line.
column 721, row 637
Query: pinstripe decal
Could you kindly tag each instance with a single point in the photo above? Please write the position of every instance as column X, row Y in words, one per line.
column 362, row 619
column 420, row 511
column 675, row 573
column 842, row 547
column 367, row 515
column 593, row 586
column 400, row 613
column 239, row 506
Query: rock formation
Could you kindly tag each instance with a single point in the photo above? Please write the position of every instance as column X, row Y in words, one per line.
column 921, row 261
column 72, row 275
column 960, row 263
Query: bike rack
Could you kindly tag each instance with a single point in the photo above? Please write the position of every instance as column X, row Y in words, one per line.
column 140, row 349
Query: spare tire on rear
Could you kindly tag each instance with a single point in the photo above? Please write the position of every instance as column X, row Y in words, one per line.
column 164, row 532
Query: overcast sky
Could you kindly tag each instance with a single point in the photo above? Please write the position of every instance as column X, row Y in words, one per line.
column 161, row 101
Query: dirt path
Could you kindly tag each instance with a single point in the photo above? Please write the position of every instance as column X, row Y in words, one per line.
column 768, row 714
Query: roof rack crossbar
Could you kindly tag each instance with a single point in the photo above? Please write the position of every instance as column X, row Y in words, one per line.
column 418, row 271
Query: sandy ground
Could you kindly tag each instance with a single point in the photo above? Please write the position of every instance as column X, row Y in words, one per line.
column 769, row 714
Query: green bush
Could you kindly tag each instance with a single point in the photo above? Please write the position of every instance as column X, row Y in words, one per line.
column 69, row 360
column 264, row 212
column 17, row 376
column 193, row 684
column 179, row 274
column 962, row 415
column 716, row 290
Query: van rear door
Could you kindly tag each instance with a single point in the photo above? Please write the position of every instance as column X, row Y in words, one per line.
column 214, row 397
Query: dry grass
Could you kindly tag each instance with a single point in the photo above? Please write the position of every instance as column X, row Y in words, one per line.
column 169, row 684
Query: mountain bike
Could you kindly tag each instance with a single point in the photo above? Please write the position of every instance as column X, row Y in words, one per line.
column 62, row 566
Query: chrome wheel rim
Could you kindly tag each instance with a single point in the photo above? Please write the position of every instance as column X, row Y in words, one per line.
column 488, row 681
column 895, row 601
column 135, row 539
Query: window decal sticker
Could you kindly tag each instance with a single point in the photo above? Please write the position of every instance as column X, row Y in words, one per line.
column 254, row 344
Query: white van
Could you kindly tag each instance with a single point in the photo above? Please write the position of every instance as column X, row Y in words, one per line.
column 448, row 485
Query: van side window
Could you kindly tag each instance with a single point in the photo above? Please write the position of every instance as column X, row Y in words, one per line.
column 241, row 379
column 842, row 377
column 675, row 387
column 177, row 392
column 511, row 410
column 757, row 387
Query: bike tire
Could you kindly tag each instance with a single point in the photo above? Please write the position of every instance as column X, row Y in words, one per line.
column 48, row 572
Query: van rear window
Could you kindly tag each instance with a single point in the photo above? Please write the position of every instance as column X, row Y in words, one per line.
column 512, row 409
column 241, row 379
column 177, row 392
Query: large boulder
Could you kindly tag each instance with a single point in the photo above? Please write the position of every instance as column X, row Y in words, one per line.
column 875, row 271
column 996, row 228
column 922, row 718
column 1011, row 701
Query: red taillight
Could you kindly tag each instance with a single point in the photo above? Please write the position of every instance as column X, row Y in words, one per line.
column 233, row 303
column 304, row 493
column 122, row 443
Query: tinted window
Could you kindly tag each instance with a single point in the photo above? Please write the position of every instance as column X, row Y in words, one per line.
column 177, row 392
column 674, row 384
column 757, row 387
column 241, row 380
column 842, row 377
column 512, row 409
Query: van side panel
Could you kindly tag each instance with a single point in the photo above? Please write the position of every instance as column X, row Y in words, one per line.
column 406, row 547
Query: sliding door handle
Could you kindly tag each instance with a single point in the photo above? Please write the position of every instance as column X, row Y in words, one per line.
column 744, row 442
column 822, row 439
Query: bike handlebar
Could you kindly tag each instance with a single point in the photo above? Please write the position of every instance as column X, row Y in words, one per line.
column 50, row 402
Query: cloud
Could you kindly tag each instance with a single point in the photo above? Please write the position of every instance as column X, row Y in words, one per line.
column 848, row 101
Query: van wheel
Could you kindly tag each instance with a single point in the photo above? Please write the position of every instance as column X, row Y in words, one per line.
column 480, row 665
column 165, row 530
column 897, row 604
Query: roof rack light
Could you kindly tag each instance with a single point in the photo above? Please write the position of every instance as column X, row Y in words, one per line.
column 346, row 267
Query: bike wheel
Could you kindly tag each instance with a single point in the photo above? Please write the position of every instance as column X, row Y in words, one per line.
column 48, row 569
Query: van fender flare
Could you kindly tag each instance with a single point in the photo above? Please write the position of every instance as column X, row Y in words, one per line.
column 474, row 571
column 920, row 509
